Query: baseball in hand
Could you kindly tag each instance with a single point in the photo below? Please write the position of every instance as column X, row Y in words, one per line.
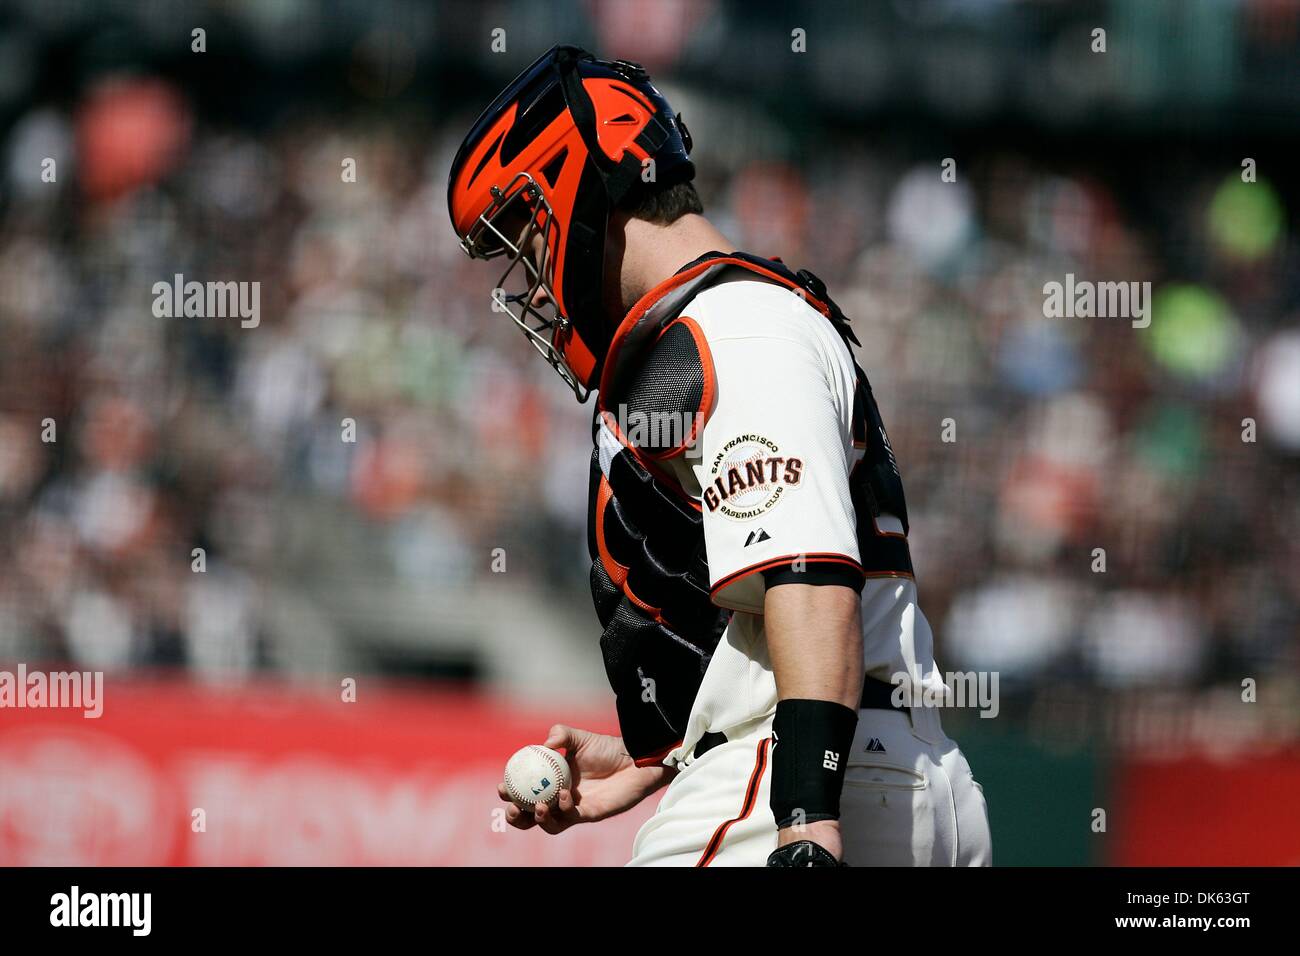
column 536, row 774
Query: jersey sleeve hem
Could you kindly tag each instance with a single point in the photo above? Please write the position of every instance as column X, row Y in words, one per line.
column 818, row 573
column 785, row 561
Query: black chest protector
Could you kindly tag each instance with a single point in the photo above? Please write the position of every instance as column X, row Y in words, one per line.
column 650, row 573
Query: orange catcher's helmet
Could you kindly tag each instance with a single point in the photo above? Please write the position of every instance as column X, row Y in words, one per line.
column 570, row 139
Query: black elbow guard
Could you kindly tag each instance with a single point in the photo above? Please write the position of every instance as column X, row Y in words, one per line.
column 812, row 740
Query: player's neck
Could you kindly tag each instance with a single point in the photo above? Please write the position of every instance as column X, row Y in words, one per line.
column 652, row 252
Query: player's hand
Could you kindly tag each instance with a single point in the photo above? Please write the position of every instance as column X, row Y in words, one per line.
column 605, row 782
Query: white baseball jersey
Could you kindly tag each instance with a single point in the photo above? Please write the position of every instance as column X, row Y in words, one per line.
column 779, row 445
column 771, row 472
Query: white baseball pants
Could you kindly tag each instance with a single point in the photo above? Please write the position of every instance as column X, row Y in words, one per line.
column 909, row 799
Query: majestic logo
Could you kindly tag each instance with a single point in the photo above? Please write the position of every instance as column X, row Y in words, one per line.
column 749, row 477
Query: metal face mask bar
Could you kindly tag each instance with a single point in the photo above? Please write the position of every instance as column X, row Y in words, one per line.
column 493, row 237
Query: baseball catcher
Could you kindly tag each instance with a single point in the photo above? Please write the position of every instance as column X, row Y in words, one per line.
column 747, row 525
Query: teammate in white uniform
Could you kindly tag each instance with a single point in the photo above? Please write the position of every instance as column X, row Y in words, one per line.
column 791, row 750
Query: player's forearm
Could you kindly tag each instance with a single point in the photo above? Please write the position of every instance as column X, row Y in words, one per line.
column 814, row 637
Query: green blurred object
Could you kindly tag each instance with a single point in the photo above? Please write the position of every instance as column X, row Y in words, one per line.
column 1171, row 438
column 1041, row 798
column 1245, row 219
column 1193, row 333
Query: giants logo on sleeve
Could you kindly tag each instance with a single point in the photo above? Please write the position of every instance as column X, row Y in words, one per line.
column 749, row 476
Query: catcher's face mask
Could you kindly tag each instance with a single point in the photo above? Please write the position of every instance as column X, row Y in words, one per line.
column 535, row 181
column 519, row 227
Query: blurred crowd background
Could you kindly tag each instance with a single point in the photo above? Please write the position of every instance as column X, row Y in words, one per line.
column 1174, row 448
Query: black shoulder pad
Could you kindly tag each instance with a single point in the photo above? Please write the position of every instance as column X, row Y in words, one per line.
column 662, row 407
